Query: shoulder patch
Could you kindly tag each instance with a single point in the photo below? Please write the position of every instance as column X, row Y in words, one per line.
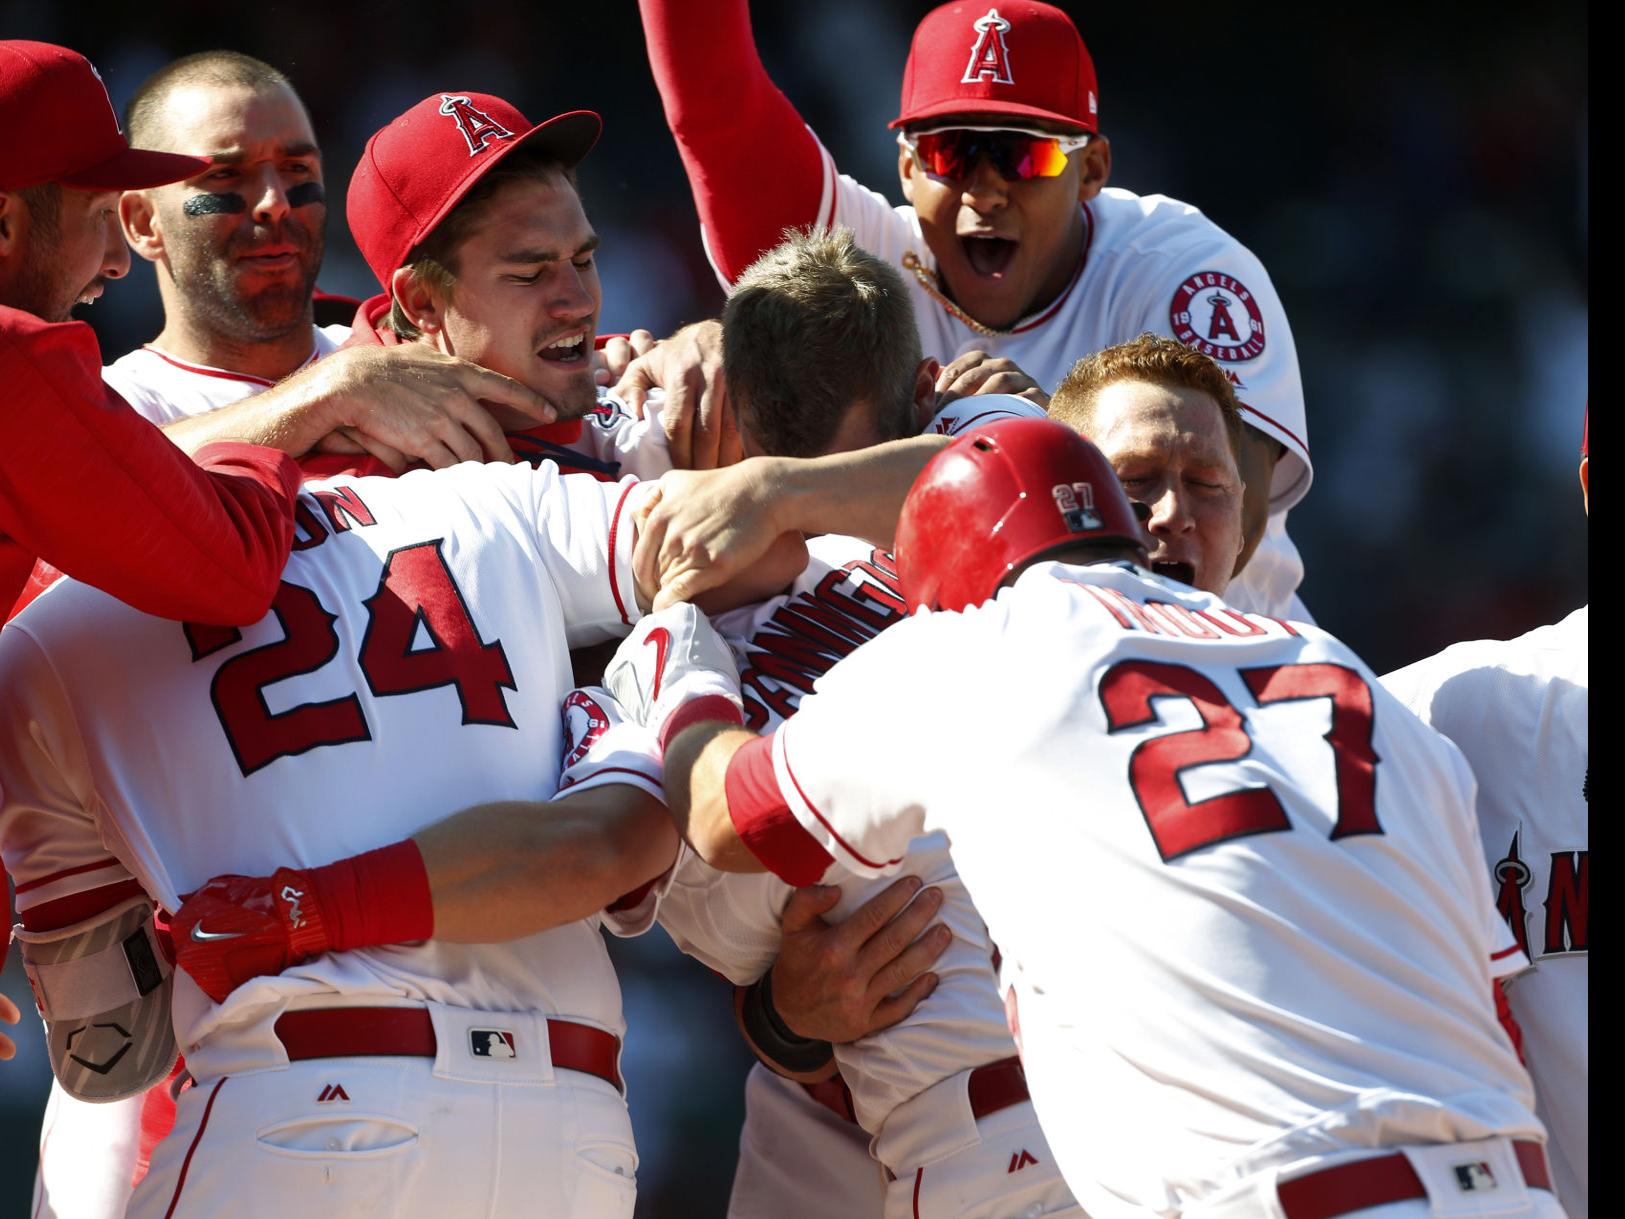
column 1215, row 314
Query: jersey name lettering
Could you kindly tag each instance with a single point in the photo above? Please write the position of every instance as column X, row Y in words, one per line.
column 1179, row 622
column 811, row 631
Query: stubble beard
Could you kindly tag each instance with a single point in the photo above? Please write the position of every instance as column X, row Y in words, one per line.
column 217, row 301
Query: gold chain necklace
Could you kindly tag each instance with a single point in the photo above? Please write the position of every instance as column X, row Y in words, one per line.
column 928, row 281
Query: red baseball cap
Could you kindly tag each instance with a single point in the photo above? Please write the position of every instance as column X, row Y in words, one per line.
column 57, row 124
column 1018, row 58
column 419, row 167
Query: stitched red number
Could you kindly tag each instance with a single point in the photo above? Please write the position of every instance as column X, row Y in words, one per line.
column 1177, row 826
column 418, row 587
column 258, row 736
column 1350, row 734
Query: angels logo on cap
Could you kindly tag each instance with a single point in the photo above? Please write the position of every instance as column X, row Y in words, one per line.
column 989, row 56
column 478, row 127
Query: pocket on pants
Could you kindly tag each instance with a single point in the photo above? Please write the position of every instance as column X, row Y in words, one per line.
column 606, row 1179
column 354, row 1136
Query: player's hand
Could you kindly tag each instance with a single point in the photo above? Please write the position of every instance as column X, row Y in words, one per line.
column 838, row 983
column 8, row 1015
column 977, row 372
column 239, row 927
column 698, row 422
column 698, row 529
column 409, row 403
column 674, row 670
column 610, row 361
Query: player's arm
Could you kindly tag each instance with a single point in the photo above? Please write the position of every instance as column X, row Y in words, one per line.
column 701, row 528
column 490, row 873
column 507, row 870
column 401, row 404
column 88, row 485
column 754, row 167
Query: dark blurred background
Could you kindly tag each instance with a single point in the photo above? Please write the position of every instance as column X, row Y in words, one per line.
column 1414, row 178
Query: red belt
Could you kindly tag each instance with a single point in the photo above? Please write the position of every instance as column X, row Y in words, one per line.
column 361, row 1032
column 1381, row 1180
column 994, row 1086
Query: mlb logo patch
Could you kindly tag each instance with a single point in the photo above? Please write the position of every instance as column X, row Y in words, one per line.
column 491, row 1043
column 1475, row 1178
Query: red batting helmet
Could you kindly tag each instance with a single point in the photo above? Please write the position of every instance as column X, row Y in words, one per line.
column 997, row 497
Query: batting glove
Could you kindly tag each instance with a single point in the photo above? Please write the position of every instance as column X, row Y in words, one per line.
column 675, row 670
column 239, row 927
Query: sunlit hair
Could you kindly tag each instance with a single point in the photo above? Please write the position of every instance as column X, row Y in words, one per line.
column 813, row 326
column 1151, row 358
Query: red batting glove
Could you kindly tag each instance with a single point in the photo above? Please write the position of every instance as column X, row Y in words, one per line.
column 239, row 927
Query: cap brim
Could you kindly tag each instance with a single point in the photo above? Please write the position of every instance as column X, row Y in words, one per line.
column 136, row 168
column 976, row 106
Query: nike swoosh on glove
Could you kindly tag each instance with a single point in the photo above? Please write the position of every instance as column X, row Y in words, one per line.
column 674, row 670
column 239, row 927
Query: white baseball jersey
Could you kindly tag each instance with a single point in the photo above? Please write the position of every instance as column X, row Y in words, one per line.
column 847, row 594
column 731, row 922
column 1235, row 883
column 413, row 663
column 1149, row 263
column 1519, row 711
column 164, row 388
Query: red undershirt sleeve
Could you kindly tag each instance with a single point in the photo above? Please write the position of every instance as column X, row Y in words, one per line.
column 763, row 820
column 88, row 485
column 753, row 165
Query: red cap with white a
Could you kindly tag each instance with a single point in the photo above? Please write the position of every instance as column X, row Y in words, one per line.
column 419, row 167
column 57, row 125
column 1018, row 57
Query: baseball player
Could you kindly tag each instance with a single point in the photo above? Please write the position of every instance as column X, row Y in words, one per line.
column 1223, row 814
column 444, row 197
column 1519, row 711
column 388, row 632
column 83, row 482
column 236, row 249
column 1010, row 239
column 1169, row 417
column 254, row 111
column 939, row 1087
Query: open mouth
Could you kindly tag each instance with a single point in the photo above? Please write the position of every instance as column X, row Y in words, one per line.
column 570, row 350
column 989, row 256
column 1185, row 573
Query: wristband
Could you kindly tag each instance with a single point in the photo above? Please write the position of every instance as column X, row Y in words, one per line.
column 773, row 1039
column 379, row 897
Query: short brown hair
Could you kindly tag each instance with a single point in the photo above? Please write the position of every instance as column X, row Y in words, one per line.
column 1152, row 358
column 433, row 261
column 221, row 68
column 812, row 327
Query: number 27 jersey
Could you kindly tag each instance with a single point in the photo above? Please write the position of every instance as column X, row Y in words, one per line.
column 1236, row 886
